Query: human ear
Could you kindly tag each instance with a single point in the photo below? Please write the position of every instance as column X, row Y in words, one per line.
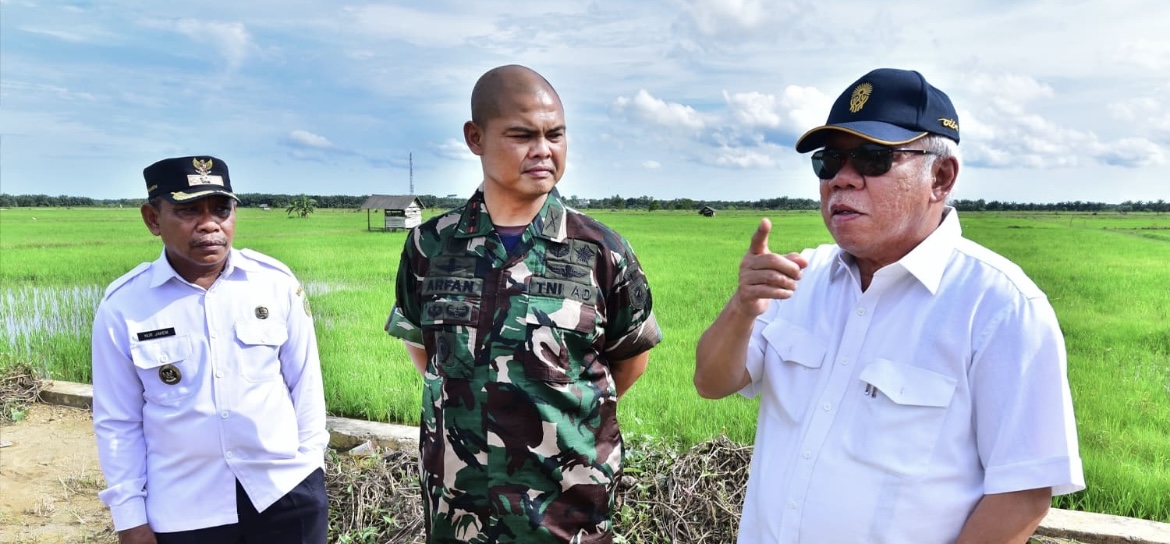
column 473, row 135
column 150, row 218
column 944, row 172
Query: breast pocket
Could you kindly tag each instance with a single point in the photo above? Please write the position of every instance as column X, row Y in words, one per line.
column 796, row 355
column 166, row 368
column 259, row 345
column 560, row 332
column 449, row 332
column 901, row 415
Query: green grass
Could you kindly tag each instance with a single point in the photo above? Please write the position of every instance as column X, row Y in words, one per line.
column 1108, row 277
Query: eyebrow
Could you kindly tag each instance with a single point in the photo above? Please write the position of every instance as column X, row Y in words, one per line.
column 531, row 130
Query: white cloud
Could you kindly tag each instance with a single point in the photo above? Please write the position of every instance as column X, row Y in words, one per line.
column 452, row 148
column 754, row 109
column 745, row 158
column 418, row 27
column 304, row 138
column 1003, row 130
column 1133, row 153
column 737, row 21
column 652, row 165
column 231, row 39
column 645, row 107
column 807, row 107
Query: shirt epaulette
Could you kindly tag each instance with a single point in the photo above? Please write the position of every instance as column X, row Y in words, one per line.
column 125, row 278
column 268, row 261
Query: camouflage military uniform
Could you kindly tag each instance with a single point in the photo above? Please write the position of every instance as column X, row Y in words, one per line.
column 519, row 434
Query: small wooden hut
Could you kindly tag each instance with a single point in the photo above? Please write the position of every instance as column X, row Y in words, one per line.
column 400, row 212
column 707, row 211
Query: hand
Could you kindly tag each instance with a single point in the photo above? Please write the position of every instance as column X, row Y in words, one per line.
column 141, row 534
column 764, row 275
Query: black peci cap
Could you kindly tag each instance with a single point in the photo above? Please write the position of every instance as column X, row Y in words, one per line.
column 183, row 179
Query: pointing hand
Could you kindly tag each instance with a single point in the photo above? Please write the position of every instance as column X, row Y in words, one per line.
column 764, row 275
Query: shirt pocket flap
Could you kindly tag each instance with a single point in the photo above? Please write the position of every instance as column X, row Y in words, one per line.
column 794, row 344
column 161, row 351
column 561, row 313
column 909, row 385
column 261, row 333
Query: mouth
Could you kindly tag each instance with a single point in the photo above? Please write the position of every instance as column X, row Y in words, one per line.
column 837, row 210
column 540, row 171
column 204, row 244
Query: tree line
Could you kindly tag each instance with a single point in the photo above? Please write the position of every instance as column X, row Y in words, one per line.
column 617, row 202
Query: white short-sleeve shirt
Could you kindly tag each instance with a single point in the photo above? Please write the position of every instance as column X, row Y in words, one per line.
column 194, row 389
column 885, row 416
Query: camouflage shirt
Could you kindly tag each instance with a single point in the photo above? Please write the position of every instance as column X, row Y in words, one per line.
column 519, row 437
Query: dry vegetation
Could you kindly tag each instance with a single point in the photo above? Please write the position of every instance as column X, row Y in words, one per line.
column 665, row 495
column 19, row 388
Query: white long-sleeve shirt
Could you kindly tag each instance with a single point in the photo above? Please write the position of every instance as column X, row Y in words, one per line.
column 194, row 389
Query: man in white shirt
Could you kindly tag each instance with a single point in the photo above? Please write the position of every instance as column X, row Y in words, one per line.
column 208, row 405
column 912, row 383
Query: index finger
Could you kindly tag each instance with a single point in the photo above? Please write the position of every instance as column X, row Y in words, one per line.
column 759, row 244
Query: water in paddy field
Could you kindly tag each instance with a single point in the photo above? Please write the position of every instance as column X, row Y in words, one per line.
column 29, row 315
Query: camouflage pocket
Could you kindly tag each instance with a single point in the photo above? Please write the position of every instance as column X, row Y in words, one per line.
column 560, row 332
column 450, row 352
column 449, row 326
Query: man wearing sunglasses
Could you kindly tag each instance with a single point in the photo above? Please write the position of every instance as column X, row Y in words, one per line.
column 912, row 383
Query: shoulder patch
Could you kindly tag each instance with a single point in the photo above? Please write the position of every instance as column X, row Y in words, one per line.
column 125, row 278
column 267, row 261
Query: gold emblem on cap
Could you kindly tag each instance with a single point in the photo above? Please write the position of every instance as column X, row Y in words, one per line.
column 860, row 96
column 949, row 123
column 202, row 166
column 169, row 374
column 262, row 312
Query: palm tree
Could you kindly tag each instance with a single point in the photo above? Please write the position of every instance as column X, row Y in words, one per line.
column 302, row 206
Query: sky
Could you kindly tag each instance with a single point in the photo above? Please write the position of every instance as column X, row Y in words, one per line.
column 702, row 99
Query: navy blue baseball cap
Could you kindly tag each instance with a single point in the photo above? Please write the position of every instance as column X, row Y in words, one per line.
column 183, row 179
column 889, row 107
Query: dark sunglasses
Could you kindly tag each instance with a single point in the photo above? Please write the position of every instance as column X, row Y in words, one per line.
column 868, row 159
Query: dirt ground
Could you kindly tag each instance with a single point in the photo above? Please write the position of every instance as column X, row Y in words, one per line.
column 49, row 479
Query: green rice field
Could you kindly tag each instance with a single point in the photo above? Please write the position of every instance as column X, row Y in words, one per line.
column 1107, row 275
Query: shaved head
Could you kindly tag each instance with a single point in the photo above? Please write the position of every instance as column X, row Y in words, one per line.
column 498, row 88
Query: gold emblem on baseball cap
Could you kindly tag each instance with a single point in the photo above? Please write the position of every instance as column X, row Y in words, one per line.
column 860, row 96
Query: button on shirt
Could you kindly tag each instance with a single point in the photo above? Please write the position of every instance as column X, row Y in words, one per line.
column 195, row 389
column 886, row 415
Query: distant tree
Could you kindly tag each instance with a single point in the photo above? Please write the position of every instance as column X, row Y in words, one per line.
column 653, row 205
column 302, row 206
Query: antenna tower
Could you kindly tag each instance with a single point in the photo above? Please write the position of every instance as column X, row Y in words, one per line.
column 410, row 157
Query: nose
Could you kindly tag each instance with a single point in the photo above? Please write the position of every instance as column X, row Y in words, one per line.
column 541, row 147
column 847, row 177
column 208, row 221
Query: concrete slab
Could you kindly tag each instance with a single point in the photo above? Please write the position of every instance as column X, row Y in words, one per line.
column 1103, row 528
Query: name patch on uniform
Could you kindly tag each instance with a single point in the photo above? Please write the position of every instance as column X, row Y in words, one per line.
column 452, row 286
column 550, row 287
column 157, row 333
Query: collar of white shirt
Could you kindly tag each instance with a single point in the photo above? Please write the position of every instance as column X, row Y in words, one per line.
column 926, row 262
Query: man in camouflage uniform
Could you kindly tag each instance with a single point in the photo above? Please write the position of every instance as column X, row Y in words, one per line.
column 528, row 320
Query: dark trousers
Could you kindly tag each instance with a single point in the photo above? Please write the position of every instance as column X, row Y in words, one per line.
column 299, row 517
